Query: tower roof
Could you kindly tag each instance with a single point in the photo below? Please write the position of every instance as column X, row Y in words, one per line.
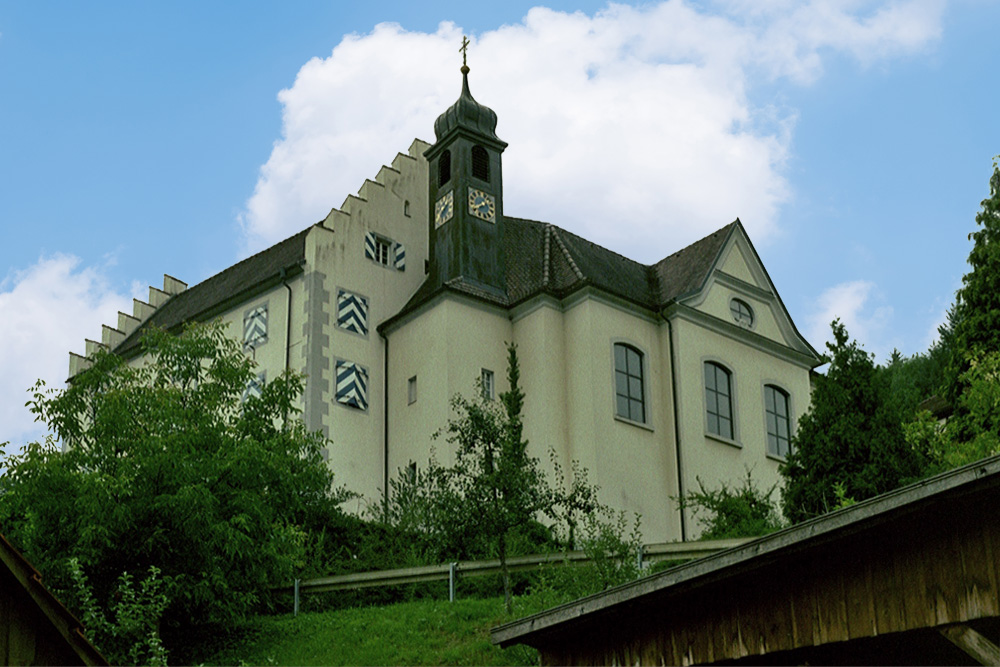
column 467, row 113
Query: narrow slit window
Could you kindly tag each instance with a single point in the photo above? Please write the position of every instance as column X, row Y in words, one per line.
column 486, row 378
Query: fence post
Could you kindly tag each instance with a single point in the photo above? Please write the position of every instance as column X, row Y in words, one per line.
column 452, row 568
column 295, row 611
column 638, row 557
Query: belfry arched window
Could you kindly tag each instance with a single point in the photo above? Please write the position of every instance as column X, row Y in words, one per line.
column 444, row 168
column 480, row 163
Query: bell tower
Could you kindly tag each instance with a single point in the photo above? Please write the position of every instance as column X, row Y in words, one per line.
column 465, row 189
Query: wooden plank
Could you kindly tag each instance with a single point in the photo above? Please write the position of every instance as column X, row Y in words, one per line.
column 991, row 541
column 778, row 635
column 980, row 648
column 803, row 601
column 6, row 622
column 700, row 635
column 21, row 646
column 911, row 577
column 832, row 616
column 858, row 597
column 942, row 564
column 752, row 621
column 977, row 567
column 887, row 587
column 726, row 634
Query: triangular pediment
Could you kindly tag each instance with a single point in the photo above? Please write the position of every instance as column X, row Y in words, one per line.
column 737, row 281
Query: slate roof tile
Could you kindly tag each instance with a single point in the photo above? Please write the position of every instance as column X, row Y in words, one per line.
column 543, row 258
column 228, row 285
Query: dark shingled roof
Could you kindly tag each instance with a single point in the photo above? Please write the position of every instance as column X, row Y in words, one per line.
column 231, row 285
column 543, row 258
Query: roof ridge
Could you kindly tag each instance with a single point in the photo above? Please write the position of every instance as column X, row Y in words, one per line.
column 545, row 255
column 566, row 254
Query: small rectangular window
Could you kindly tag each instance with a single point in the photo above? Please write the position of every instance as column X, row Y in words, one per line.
column 487, row 383
column 411, row 390
column 382, row 249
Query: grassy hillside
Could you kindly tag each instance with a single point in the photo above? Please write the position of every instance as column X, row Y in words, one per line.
column 425, row 632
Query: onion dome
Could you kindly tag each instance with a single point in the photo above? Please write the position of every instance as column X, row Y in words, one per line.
column 468, row 114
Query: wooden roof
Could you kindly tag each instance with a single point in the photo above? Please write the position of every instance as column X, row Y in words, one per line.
column 35, row 627
column 885, row 580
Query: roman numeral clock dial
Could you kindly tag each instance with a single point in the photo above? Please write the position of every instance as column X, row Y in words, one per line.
column 482, row 205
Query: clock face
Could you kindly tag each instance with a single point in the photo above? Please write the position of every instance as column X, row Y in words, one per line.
column 443, row 209
column 482, row 205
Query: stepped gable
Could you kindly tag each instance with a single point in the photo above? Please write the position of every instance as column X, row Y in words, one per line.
column 230, row 286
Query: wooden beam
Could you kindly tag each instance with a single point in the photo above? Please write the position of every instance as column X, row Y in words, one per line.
column 980, row 648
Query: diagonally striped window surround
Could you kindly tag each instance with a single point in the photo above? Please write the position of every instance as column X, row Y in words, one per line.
column 352, row 312
column 352, row 384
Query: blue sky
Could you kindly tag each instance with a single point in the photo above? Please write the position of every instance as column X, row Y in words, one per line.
column 853, row 139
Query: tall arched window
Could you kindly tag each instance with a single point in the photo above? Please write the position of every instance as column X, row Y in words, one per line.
column 480, row 163
column 444, row 168
column 719, row 400
column 630, row 397
column 778, row 426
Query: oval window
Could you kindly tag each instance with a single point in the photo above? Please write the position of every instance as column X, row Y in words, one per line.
column 741, row 312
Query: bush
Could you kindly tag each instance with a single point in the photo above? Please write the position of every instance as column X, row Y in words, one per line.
column 743, row 511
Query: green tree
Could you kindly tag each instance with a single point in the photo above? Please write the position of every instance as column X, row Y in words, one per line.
column 852, row 435
column 500, row 487
column 169, row 465
column 976, row 434
column 977, row 327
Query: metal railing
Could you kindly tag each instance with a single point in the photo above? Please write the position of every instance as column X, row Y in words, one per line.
column 649, row 553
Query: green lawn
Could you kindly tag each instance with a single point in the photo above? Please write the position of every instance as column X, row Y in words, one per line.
column 425, row 632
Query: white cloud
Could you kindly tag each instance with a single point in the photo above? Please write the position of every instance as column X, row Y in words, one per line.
column 49, row 308
column 856, row 305
column 631, row 124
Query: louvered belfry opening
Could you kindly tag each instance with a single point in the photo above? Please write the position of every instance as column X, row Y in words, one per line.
column 480, row 163
column 444, row 168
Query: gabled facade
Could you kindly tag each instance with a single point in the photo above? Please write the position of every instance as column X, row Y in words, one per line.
column 651, row 376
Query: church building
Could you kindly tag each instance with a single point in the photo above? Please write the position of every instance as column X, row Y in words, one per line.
column 651, row 376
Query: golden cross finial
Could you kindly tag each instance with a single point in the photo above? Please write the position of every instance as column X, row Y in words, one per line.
column 463, row 49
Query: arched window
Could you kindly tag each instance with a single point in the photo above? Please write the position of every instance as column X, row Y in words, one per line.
column 719, row 400
column 444, row 168
column 480, row 163
column 630, row 397
column 778, row 426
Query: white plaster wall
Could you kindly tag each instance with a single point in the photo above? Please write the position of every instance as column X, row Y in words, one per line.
column 634, row 464
column 712, row 459
column 445, row 346
column 394, row 206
